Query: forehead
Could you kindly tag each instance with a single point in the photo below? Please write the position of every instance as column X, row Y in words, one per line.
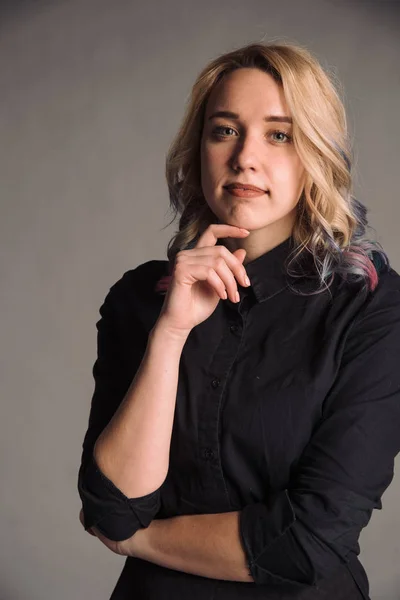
column 248, row 92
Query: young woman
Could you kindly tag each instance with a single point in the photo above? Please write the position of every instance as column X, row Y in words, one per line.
column 246, row 412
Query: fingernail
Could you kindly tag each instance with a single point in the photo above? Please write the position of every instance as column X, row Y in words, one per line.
column 237, row 297
column 247, row 280
column 244, row 230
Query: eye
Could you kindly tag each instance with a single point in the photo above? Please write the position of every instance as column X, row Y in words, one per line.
column 218, row 131
column 280, row 137
column 287, row 138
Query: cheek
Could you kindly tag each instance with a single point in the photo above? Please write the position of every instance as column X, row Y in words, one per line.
column 290, row 174
column 204, row 165
column 210, row 161
column 208, row 175
column 214, row 155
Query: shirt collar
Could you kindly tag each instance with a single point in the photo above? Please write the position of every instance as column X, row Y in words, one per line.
column 267, row 273
column 269, row 276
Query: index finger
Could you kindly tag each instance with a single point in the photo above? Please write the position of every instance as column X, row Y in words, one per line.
column 219, row 230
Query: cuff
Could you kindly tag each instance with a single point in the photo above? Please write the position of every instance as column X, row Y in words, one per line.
column 270, row 543
column 105, row 507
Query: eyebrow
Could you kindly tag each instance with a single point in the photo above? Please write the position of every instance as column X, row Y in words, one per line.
column 269, row 118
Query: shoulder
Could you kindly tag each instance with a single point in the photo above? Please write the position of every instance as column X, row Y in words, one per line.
column 363, row 299
column 386, row 295
column 350, row 310
column 140, row 281
column 134, row 295
column 376, row 314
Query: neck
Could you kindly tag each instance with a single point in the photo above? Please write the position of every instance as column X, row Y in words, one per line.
column 258, row 242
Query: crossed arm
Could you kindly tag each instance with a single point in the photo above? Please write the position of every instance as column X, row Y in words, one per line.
column 207, row 545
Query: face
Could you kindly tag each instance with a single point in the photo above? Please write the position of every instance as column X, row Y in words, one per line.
column 252, row 146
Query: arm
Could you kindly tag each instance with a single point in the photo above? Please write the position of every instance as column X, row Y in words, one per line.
column 207, row 545
column 305, row 532
column 133, row 449
column 119, row 491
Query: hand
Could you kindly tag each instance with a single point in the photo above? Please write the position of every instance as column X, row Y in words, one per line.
column 128, row 547
column 120, row 548
column 201, row 277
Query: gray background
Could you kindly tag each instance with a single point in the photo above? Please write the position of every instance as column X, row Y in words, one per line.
column 92, row 93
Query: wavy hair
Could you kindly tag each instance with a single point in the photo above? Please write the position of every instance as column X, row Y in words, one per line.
column 330, row 226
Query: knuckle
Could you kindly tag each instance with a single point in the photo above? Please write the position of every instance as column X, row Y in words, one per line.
column 219, row 261
column 225, row 252
column 180, row 255
column 228, row 255
column 222, row 251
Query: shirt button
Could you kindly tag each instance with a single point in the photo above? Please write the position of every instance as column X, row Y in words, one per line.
column 215, row 382
column 233, row 328
column 208, row 453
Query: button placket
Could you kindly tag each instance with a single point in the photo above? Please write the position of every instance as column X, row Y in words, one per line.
column 208, row 453
column 215, row 382
column 208, row 438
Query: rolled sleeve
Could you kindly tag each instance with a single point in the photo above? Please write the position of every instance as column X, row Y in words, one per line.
column 104, row 505
column 307, row 530
column 267, row 535
column 121, row 344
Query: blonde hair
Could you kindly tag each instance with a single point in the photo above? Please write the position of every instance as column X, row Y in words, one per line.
column 330, row 224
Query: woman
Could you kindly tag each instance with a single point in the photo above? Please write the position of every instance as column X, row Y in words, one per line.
column 244, row 425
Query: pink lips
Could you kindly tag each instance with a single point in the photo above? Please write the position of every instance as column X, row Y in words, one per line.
column 244, row 192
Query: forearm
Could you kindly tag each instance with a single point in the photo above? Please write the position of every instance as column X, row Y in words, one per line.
column 205, row 545
column 133, row 450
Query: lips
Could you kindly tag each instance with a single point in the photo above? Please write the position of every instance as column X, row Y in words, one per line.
column 245, row 186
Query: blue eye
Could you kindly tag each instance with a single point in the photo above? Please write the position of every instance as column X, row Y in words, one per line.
column 220, row 128
column 286, row 136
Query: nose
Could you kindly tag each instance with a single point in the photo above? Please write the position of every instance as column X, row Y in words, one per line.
column 246, row 155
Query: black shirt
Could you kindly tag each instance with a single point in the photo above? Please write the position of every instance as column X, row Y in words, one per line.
column 287, row 409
